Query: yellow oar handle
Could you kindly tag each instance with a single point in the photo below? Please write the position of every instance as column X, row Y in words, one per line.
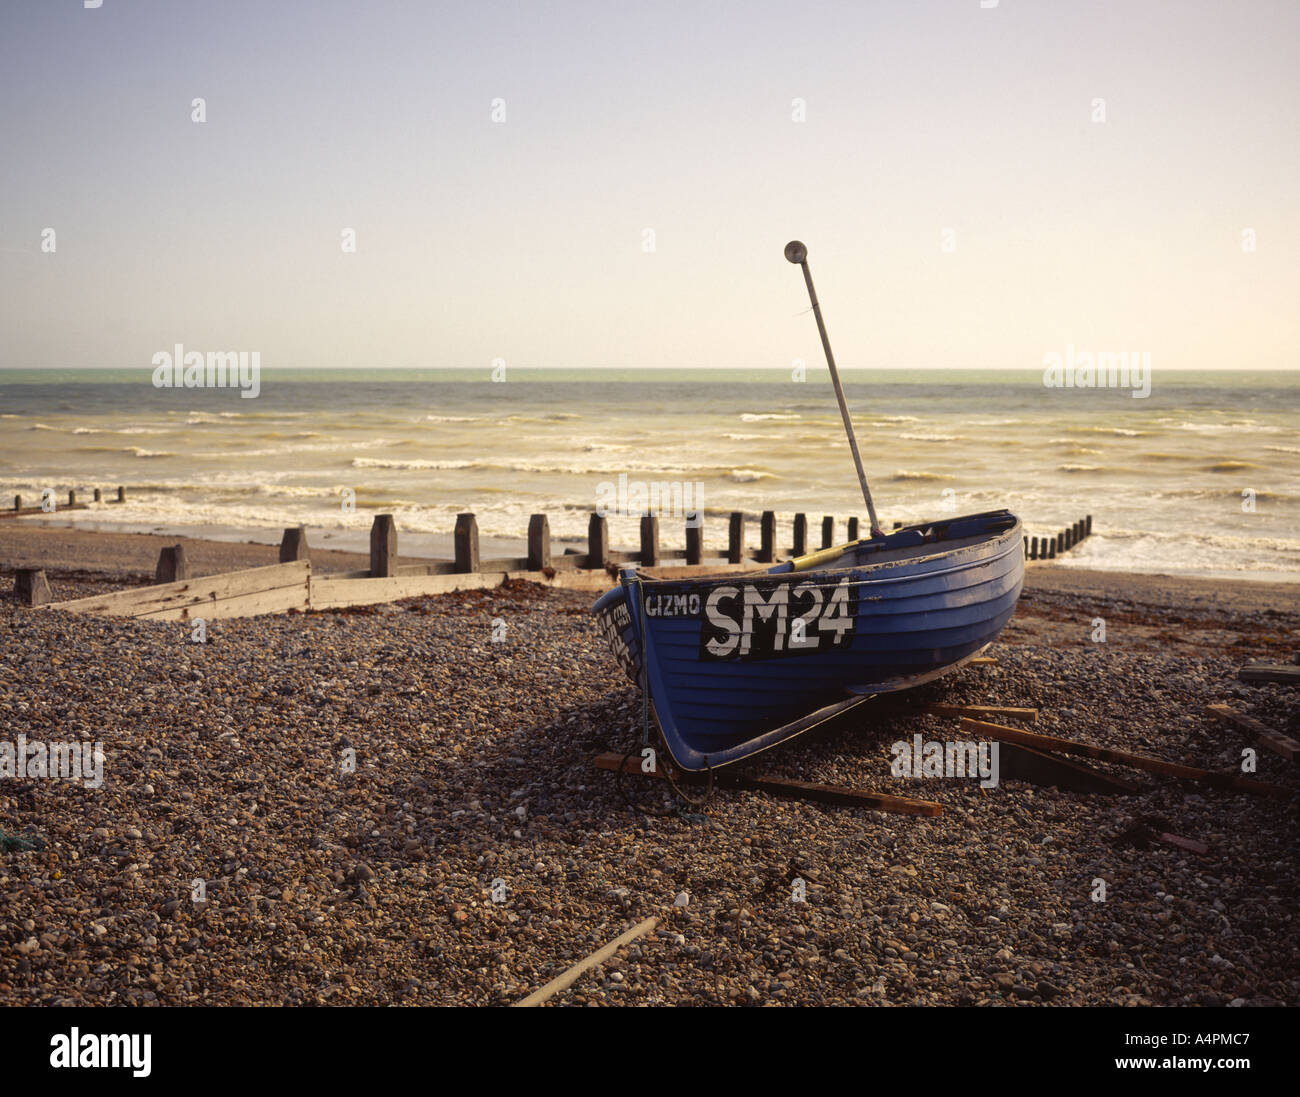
column 823, row 556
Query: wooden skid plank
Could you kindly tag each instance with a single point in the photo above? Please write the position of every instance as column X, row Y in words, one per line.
column 784, row 786
column 1121, row 757
column 1275, row 741
column 193, row 593
column 1030, row 714
column 834, row 794
column 983, row 661
column 1021, row 763
column 1270, row 672
column 1191, row 845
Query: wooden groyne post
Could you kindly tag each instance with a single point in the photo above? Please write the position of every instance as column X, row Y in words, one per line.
column 466, row 540
column 736, row 537
column 293, row 545
column 649, row 541
column 598, row 541
column 694, row 538
column 539, row 542
column 383, row 546
column 31, row 587
column 767, row 537
column 172, row 565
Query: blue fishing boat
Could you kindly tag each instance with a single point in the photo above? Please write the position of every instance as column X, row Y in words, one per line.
column 732, row 663
column 739, row 661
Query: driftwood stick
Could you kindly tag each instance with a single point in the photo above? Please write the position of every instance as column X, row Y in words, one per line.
column 600, row 956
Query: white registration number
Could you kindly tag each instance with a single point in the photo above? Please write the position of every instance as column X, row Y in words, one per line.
column 749, row 621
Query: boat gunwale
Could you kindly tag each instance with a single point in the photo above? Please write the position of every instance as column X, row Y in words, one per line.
column 976, row 551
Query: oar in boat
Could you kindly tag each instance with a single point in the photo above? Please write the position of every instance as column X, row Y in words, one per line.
column 797, row 253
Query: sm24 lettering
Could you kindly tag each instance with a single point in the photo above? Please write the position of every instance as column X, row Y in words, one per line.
column 753, row 621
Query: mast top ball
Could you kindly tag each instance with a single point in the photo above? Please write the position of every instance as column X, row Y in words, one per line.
column 795, row 251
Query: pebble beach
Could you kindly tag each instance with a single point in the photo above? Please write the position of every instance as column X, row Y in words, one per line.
column 234, row 854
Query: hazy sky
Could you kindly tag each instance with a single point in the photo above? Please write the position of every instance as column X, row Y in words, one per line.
column 524, row 239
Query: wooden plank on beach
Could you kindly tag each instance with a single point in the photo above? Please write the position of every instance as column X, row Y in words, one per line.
column 1038, row 741
column 1022, row 764
column 329, row 593
column 1191, row 845
column 834, row 794
column 840, row 795
column 1008, row 711
column 983, row 661
column 567, row 580
column 244, row 593
column 1275, row 741
column 561, row 982
column 441, row 567
column 1270, row 672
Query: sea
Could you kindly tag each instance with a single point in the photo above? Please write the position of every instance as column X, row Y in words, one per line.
column 1201, row 477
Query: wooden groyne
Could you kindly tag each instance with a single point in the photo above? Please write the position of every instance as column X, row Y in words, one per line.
column 18, row 510
column 292, row 584
column 1049, row 548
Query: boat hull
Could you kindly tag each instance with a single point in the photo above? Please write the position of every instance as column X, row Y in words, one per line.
column 738, row 663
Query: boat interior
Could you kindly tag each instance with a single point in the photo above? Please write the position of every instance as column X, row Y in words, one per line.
column 909, row 543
